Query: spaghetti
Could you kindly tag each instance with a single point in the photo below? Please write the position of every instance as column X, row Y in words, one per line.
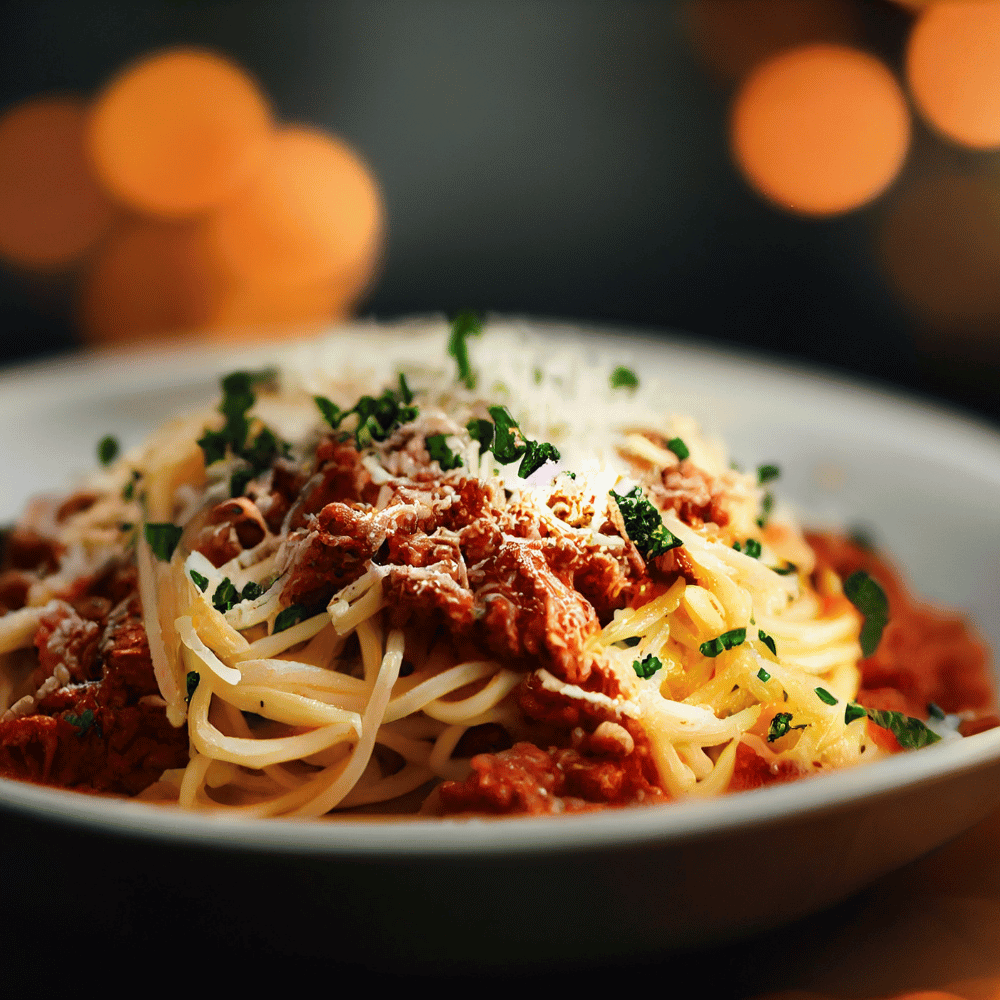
column 445, row 598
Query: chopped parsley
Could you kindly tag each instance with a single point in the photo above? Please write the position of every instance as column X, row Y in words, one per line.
column 767, row 474
column 763, row 675
column 482, row 431
column 377, row 417
column 869, row 598
column 679, row 448
column 163, row 538
column 728, row 640
column 192, row 679
column 781, row 725
column 536, row 455
column 225, row 596
column 107, row 449
column 128, row 490
column 509, row 444
column 910, row 733
column 290, row 616
column 935, row 711
column 441, row 453
column 766, row 506
column 853, row 712
column 465, row 325
column 769, row 642
column 647, row 666
column 259, row 452
column 785, row 570
column 201, row 582
column 83, row 722
column 825, row 696
column 632, row 640
column 751, row 547
column 624, row 378
column 644, row 524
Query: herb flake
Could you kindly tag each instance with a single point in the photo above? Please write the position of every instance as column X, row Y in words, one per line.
column 869, row 598
column 644, row 524
column 647, row 666
column 441, row 453
column 679, row 448
column 108, row 449
column 825, row 696
column 728, row 640
column 163, row 538
column 290, row 616
column 624, row 378
column 465, row 325
column 781, row 725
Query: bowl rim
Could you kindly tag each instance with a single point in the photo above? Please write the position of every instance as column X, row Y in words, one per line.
column 491, row 836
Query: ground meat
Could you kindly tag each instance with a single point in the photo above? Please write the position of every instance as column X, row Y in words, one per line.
column 692, row 494
column 925, row 655
column 494, row 571
column 526, row 779
column 752, row 771
column 98, row 723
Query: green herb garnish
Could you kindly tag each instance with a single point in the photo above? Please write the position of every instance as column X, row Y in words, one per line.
column 644, row 524
column 780, row 726
column 766, row 506
column 763, row 675
column 767, row 473
column 647, row 666
column 853, row 712
column 728, row 640
column 201, row 582
column 785, row 570
column 482, row 431
column 83, row 722
column 825, row 696
column 225, row 596
column 509, row 444
column 107, row 449
column 192, row 679
column 751, row 547
column 377, row 417
column 910, row 733
column 679, row 448
column 768, row 641
column 624, row 378
column 128, row 490
column 291, row 615
column 163, row 538
column 935, row 711
column 465, row 325
column 869, row 598
column 251, row 591
column 441, row 453
column 237, row 400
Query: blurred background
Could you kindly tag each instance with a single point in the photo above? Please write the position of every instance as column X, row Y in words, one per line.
column 815, row 179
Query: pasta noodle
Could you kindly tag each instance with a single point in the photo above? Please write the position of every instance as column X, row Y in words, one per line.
column 538, row 596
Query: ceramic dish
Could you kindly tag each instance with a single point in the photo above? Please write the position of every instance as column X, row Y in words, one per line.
column 515, row 893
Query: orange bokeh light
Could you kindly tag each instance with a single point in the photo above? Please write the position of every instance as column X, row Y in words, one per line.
column 821, row 129
column 151, row 278
column 314, row 213
column 277, row 312
column 51, row 209
column 940, row 247
column 953, row 67
column 179, row 132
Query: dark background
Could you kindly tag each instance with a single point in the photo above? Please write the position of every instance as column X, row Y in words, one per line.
column 547, row 158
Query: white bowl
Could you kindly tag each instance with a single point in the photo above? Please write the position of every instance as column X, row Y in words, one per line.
column 518, row 892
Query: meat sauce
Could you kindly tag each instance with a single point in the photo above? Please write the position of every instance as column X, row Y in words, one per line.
column 494, row 575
